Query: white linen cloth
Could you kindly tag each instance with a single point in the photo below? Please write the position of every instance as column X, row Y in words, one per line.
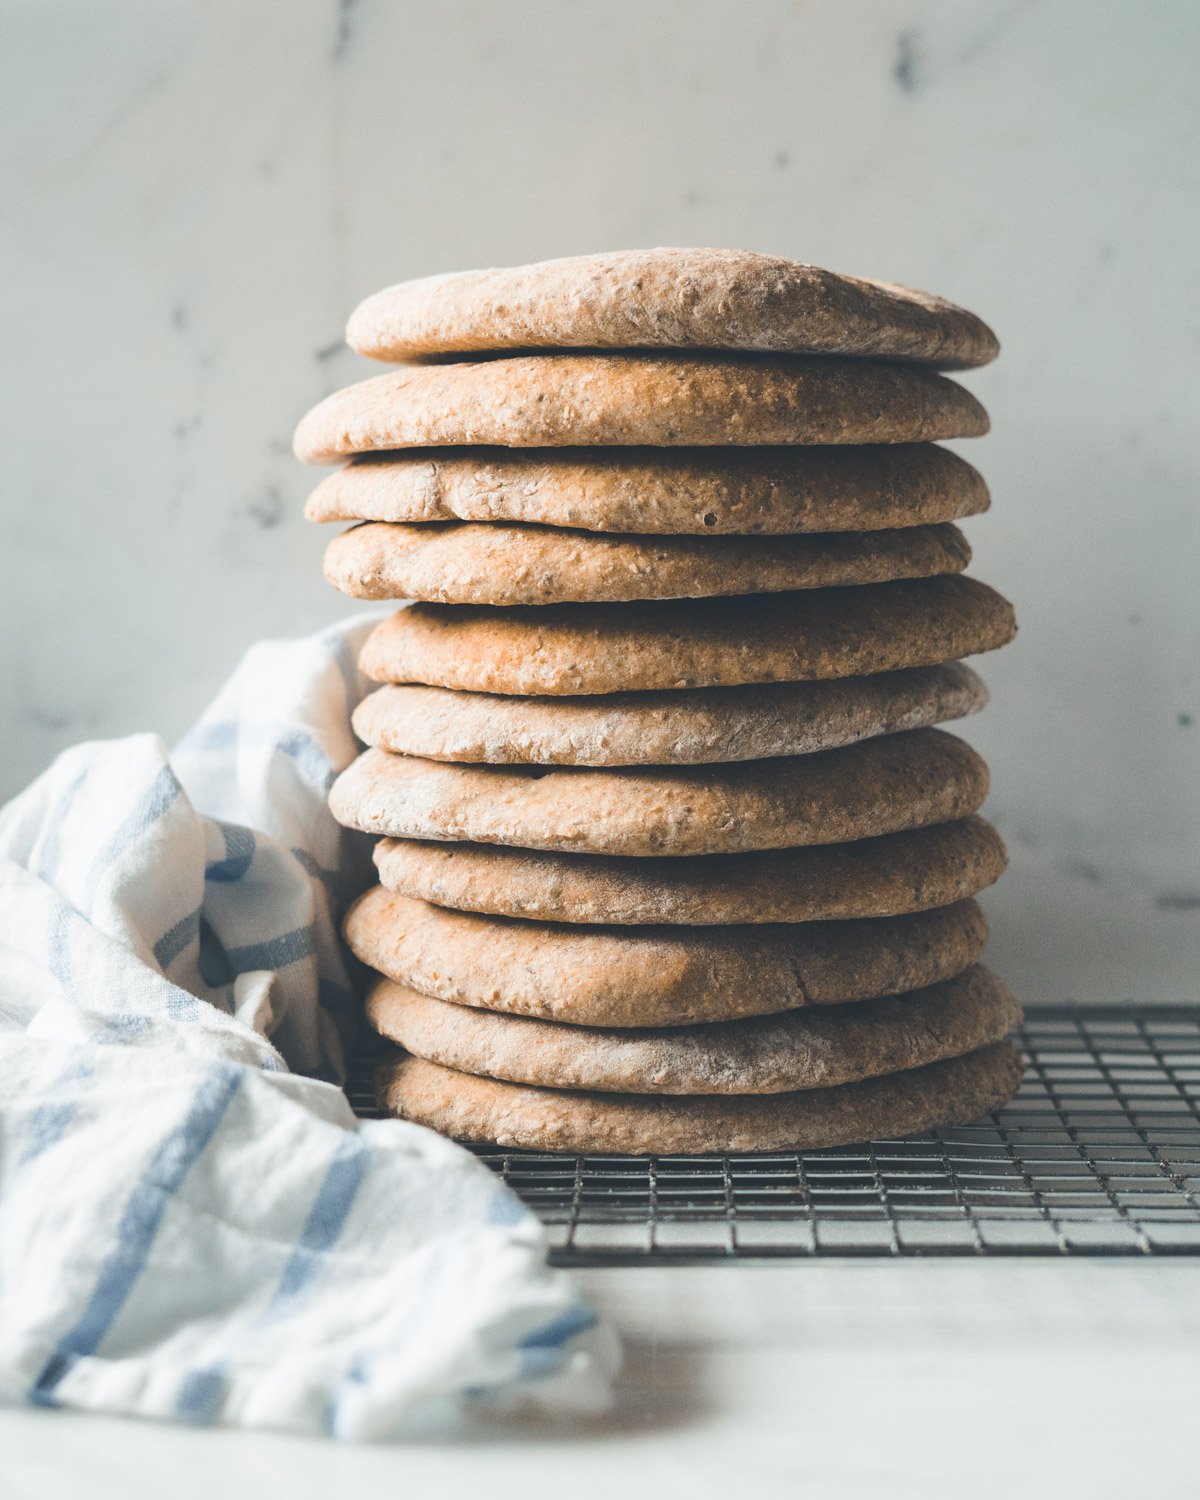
column 193, row 1223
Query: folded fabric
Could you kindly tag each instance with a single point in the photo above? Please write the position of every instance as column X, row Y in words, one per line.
column 193, row 1223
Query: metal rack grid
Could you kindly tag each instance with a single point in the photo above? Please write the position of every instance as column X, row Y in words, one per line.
column 1099, row 1154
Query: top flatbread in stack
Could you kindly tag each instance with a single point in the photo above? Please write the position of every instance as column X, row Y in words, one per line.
column 654, row 750
column 669, row 299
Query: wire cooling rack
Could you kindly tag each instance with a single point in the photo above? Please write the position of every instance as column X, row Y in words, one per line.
column 1098, row 1154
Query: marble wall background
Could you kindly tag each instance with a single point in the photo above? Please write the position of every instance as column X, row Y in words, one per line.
column 195, row 193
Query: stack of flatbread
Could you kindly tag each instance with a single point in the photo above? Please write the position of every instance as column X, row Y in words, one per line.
column 673, row 856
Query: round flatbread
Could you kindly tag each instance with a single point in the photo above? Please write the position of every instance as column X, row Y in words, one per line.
column 568, row 649
column 619, row 400
column 656, row 976
column 664, row 728
column 879, row 786
column 672, row 491
column 485, row 563
column 801, row 1049
column 882, row 877
column 672, row 299
column 956, row 1091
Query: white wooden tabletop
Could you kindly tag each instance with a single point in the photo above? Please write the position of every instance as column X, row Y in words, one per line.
column 942, row 1377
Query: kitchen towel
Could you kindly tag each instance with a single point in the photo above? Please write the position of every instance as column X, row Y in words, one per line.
column 193, row 1223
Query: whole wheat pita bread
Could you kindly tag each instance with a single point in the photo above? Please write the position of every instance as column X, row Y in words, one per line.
column 487, row 563
column 881, row 877
column 571, row 649
column 799, row 1049
column 672, row 491
column 955, row 1091
column 833, row 796
column 656, row 976
column 668, row 298
column 621, row 400
column 681, row 727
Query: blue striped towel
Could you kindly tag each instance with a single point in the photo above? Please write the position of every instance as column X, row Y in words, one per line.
column 193, row 1224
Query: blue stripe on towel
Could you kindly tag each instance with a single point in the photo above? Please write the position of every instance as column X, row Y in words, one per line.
column 542, row 1352
column 202, row 1391
column 204, row 737
column 161, row 793
column 275, row 953
column 48, row 1121
column 299, row 746
column 577, row 1319
column 182, row 1005
column 200, row 1395
column 327, row 1217
column 240, row 845
column 140, row 1224
column 330, row 879
column 121, row 1030
column 45, row 862
column 176, row 939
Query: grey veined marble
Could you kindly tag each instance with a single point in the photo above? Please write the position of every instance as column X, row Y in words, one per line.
column 195, row 195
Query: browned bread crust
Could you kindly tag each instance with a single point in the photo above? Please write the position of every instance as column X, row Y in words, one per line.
column 706, row 491
column 668, row 298
column 656, row 976
column 798, row 1049
column 620, row 400
column 955, row 1091
column 681, row 727
column 685, row 643
column 881, row 877
column 487, row 563
column 879, row 786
